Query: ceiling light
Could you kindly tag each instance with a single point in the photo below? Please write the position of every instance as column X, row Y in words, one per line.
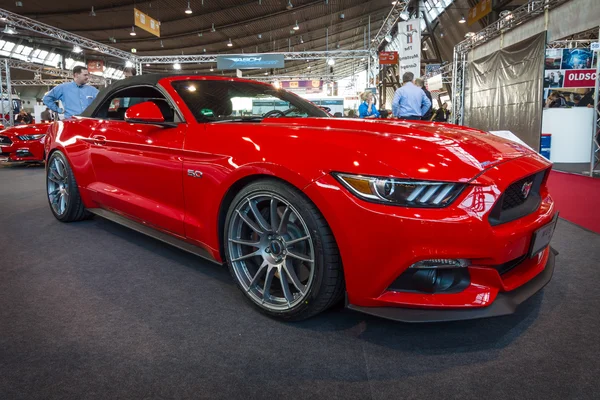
column 199, row 34
column 424, row 48
column 308, row 67
column 301, row 40
column 388, row 38
column 132, row 33
column 161, row 44
column 229, row 44
column 92, row 13
column 213, row 28
column 296, row 27
column 77, row 49
column 289, row 5
column 259, row 36
column 112, row 40
column 134, row 50
column 462, row 19
column 394, row 3
column 147, row 65
column 188, row 10
column 404, row 15
column 176, row 66
column 331, row 62
column 442, row 34
column 19, row 3
column 266, row 73
column 9, row 30
column 211, row 69
column 342, row 16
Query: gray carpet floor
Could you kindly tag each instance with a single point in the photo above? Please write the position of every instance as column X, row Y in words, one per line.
column 92, row 310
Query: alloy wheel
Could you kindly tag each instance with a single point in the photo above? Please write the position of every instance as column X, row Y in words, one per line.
column 58, row 186
column 271, row 251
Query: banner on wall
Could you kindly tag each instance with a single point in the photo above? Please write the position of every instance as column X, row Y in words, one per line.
column 582, row 78
column 240, row 61
column 483, row 8
column 95, row 66
column 388, row 57
column 315, row 86
column 146, row 22
column 409, row 33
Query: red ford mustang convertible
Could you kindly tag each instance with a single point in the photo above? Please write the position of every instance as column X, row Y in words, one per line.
column 410, row 221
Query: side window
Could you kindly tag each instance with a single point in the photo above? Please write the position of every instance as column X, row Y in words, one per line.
column 115, row 106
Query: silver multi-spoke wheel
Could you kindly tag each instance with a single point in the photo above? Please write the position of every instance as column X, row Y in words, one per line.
column 58, row 186
column 271, row 251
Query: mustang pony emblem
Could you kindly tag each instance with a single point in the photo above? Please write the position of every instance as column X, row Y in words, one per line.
column 526, row 188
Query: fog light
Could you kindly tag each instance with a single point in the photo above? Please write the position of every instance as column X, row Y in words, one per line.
column 442, row 263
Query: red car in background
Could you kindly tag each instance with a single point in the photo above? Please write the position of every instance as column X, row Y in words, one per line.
column 412, row 221
column 23, row 143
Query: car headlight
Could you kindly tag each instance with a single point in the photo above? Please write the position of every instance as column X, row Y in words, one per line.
column 401, row 192
column 31, row 137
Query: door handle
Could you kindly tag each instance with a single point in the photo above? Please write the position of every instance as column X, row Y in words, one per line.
column 99, row 139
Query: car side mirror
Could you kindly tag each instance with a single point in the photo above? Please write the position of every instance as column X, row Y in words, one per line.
column 147, row 113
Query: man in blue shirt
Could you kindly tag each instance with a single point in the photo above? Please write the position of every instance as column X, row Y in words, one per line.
column 75, row 96
column 410, row 101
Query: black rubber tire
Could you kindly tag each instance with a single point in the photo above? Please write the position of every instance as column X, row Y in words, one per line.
column 75, row 210
column 327, row 288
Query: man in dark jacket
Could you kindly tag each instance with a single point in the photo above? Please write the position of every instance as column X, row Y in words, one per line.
column 421, row 83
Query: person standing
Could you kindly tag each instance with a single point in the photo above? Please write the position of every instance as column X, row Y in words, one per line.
column 442, row 113
column 46, row 115
column 76, row 96
column 421, row 83
column 367, row 108
column 410, row 102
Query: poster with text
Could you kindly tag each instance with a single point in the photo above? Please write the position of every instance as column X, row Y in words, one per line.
column 409, row 33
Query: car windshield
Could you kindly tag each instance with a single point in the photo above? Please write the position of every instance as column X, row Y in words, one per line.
column 223, row 100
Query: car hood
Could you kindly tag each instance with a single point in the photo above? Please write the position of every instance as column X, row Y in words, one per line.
column 31, row 129
column 414, row 149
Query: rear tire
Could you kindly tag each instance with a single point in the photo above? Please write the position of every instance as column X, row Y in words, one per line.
column 62, row 191
column 281, row 252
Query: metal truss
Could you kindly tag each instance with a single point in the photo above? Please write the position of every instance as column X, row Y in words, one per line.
column 19, row 21
column 38, row 82
column 596, row 133
column 529, row 11
column 297, row 55
column 570, row 44
column 42, row 69
column 458, row 86
column 386, row 28
column 389, row 23
column 6, row 94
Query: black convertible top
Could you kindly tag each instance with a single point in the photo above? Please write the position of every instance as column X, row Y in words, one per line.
column 146, row 79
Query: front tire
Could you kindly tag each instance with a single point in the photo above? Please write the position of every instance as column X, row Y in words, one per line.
column 281, row 252
column 61, row 188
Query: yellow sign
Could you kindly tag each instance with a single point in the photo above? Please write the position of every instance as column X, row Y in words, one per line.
column 145, row 22
column 483, row 8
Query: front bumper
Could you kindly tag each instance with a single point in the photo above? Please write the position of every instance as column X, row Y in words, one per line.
column 378, row 243
column 506, row 303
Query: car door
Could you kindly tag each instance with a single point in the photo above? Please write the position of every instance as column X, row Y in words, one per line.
column 138, row 166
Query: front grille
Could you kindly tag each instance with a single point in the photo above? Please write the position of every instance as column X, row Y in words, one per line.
column 519, row 199
column 5, row 141
column 514, row 195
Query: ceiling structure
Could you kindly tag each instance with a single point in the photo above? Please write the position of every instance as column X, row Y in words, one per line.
column 254, row 26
